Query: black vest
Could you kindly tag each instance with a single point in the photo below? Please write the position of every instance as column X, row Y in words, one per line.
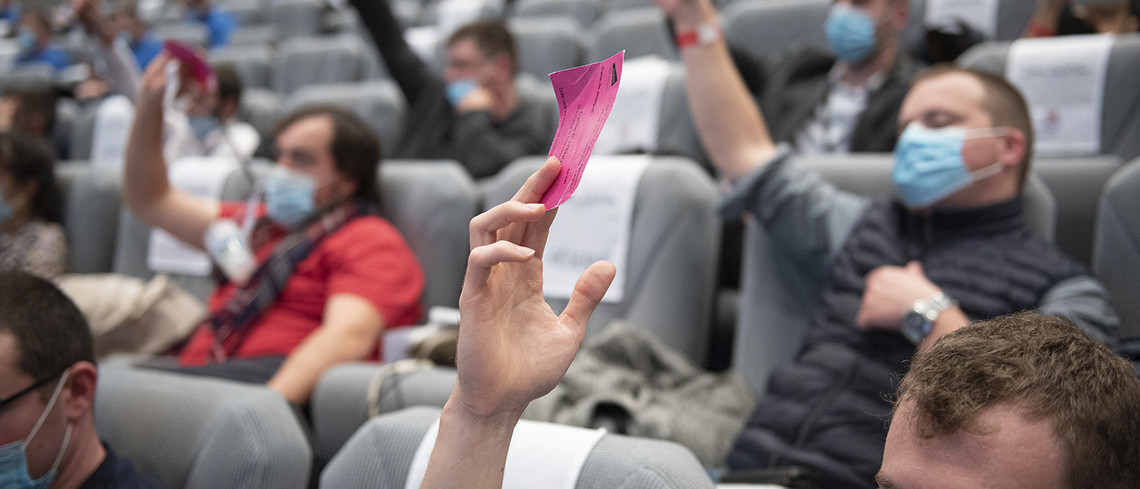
column 828, row 409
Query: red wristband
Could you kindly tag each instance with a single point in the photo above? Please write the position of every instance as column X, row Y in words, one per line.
column 703, row 35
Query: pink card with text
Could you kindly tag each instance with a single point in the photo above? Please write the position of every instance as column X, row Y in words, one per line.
column 585, row 98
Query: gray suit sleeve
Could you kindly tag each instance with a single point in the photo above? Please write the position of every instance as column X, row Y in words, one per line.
column 809, row 218
column 1085, row 302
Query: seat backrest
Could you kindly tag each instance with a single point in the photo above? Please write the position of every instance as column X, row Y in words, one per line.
column 640, row 32
column 380, row 454
column 584, row 12
column 189, row 33
column 308, row 60
column 431, row 203
column 294, row 18
column 776, row 299
column 1076, row 184
column 250, row 61
column 201, row 433
column 262, row 108
column 674, row 244
column 546, row 44
column 91, row 203
column 677, row 132
column 378, row 102
column 772, row 27
column 1120, row 117
column 1116, row 259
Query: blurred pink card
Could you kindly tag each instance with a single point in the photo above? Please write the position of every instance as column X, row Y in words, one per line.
column 585, row 97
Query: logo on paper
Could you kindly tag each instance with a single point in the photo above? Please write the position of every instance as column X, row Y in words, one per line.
column 613, row 74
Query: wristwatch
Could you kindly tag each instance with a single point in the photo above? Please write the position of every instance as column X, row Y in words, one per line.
column 917, row 323
column 702, row 35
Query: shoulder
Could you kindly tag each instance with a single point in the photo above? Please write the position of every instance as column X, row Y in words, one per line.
column 367, row 232
column 119, row 473
column 46, row 232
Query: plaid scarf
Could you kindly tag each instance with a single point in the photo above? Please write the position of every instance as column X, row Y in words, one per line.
column 230, row 323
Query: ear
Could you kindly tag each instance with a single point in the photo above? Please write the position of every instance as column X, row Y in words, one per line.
column 1013, row 147
column 900, row 13
column 78, row 397
column 502, row 66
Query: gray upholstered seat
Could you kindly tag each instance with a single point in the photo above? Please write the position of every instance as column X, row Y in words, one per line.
column 379, row 455
column 673, row 252
column 1076, row 184
column 304, row 61
column 1120, row 117
column 296, row 18
column 640, row 32
column 546, row 44
column 250, row 62
column 776, row 299
column 202, row 433
column 379, row 103
column 584, row 12
column 91, row 200
column 1116, row 259
column 771, row 27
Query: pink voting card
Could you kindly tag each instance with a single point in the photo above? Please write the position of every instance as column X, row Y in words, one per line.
column 585, row 97
column 199, row 69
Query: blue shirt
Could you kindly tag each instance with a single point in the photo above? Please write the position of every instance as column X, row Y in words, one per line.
column 50, row 54
column 118, row 473
column 220, row 24
column 145, row 49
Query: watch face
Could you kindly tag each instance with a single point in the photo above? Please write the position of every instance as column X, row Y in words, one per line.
column 914, row 326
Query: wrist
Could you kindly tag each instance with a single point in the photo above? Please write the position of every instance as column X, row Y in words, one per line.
column 702, row 34
column 460, row 413
column 687, row 19
column 919, row 321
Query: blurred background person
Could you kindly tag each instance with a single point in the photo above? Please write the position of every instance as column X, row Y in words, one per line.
column 31, row 234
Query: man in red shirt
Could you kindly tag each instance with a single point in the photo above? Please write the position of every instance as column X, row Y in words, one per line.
column 329, row 277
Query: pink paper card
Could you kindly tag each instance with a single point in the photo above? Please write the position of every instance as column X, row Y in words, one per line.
column 585, row 98
column 199, row 69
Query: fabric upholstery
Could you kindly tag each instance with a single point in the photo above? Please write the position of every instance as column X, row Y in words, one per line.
column 379, row 103
column 201, row 433
column 91, row 215
column 772, row 27
column 547, row 44
column 1116, row 259
column 640, row 32
column 303, row 61
column 250, row 61
column 379, row 454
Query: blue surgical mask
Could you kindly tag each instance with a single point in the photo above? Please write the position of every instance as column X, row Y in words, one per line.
column 26, row 40
column 850, row 32
column 929, row 166
column 14, row 458
column 289, row 196
column 201, row 125
column 459, row 89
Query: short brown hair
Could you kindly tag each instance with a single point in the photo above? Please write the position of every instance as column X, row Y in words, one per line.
column 1003, row 102
column 491, row 37
column 355, row 147
column 1050, row 368
column 51, row 333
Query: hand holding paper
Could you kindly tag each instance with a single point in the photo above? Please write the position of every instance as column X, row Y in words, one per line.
column 585, row 98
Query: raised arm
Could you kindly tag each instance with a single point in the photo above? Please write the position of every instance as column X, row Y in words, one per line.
column 409, row 71
column 146, row 189
column 727, row 119
column 512, row 348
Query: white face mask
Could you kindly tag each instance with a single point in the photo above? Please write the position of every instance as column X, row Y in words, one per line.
column 14, row 458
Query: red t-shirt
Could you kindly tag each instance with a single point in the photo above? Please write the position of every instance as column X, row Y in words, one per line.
column 366, row 257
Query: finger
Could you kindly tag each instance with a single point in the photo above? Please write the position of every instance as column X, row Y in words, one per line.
column 484, row 227
column 535, row 234
column 588, row 292
column 483, row 258
column 915, row 266
column 539, row 181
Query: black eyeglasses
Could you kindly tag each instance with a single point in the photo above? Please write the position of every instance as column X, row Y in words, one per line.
column 39, row 383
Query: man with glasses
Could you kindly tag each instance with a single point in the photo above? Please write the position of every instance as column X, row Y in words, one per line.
column 47, row 395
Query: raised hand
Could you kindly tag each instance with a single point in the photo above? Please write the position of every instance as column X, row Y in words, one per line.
column 512, row 347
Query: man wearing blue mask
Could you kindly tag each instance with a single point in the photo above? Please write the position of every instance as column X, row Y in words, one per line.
column 474, row 113
column 836, row 99
column 47, row 393
column 891, row 277
column 324, row 275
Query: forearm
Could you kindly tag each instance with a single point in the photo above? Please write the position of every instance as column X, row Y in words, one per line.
column 145, row 180
column 324, row 348
column 405, row 67
column 470, row 451
column 726, row 116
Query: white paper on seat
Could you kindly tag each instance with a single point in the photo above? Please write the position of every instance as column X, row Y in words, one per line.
column 636, row 116
column 978, row 14
column 1063, row 81
column 424, row 41
column 595, row 224
column 109, row 136
column 201, row 176
column 9, row 50
column 542, row 455
column 452, row 14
